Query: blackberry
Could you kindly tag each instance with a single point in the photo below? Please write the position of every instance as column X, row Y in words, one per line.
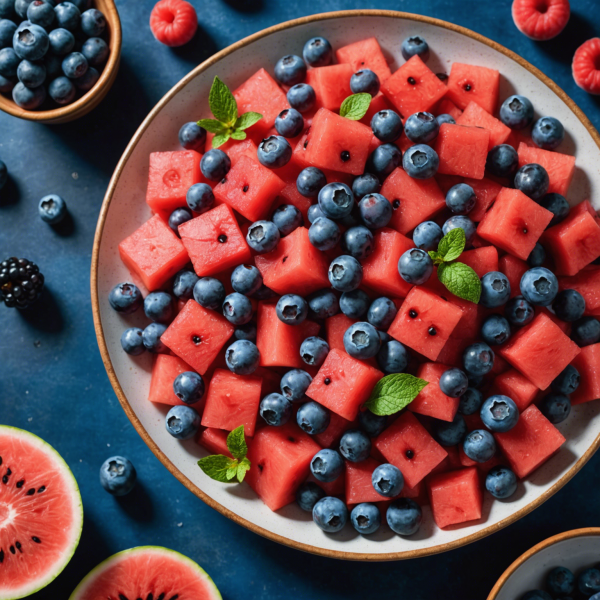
column 20, row 282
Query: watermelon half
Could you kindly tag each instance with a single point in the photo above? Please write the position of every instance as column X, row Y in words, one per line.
column 147, row 572
column 41, row 514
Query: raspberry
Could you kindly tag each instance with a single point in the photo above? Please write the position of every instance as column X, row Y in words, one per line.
column 586, row 66
column 541, row 19
column 173, row 22
column 20, row 282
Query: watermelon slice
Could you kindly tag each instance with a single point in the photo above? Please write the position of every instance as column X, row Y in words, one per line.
column 164, row 371
column 475, row 116
column 331, row 436
column 214, row 440
column 147, row 572
column 462, row 150
column 359, row 484
column 513, row 268
column 470, row 83
column 331, row 84
column 516, row 386
column 335, row 327
column 560, row 167
column 447, row 107
column 365, row 54
column 588, row 365
column 481, row 260
column 587, row 283
column 486, row 191
column 41, row 514
column 431, row 401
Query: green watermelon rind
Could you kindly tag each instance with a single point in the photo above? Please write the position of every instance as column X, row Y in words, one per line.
column 89, row 578
column 78, row 504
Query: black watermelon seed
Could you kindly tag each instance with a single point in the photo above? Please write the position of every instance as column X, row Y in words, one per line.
column 161, row 597
column 327, row 381
column 410, row 454
column 0, row 461
column 18, row 545
column 4, row 479
column 345, row 156
column 411, row 80
column 245, row 188
column 1, row 556
column 432, row 331
column 396, row 204
column 174, row 597
column 468, row 87
column 20, row 483
column 12, row 549
column 42, row 489
column 36, row 539
column 150, row 597
column 413, row 314
column 31, row 492
column 222, row 238
column 123, row 597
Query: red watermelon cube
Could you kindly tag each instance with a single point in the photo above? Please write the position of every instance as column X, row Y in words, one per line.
column 513, row 268
column 365, row 54
column 481, row 260
column 560, row 167
column 587, row 283
column 447, row 107
column 335, row 327
column 475, row 116
column 359, row 483
column 486, row 191
column 587, row 362
column 214, row 440
column 379, row 102
column 336, row 428
column 462, row 150
column 331, row 84
column 164, row 371
column 531, row 442
column 540, row 351
column 154, row 253
column 470, row 83
column 431, row 401
column 516, row 386
column 246, row 147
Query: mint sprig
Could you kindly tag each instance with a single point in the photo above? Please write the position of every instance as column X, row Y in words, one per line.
column 227, row 123
column 355, row 107
column 223, row 468
column 394, row 392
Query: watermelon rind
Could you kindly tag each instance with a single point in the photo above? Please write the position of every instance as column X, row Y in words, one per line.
column 41, row 582
column 87, row 582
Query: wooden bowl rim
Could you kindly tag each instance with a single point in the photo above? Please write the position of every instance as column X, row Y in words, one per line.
column 339, row 554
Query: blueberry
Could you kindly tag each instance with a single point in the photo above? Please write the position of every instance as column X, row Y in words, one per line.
column 518, row 311
column 495, row 330
column 381, row 313
column 478, row 359
column 516, row 112
column 375, row 211
column 454, row 383
column 263, row 236
column 182, row 422
column 371, row 423
column 323, row 304
column 317, row 52
column 479, row 445
column 532, row 180
column 292, row 309
column 242, row 357
column 547, row 133
column 287, row 218
column 310, row 181
column 28, row 98
column 275, row 410
column 200, row 197
column 264, row 293
column 52, row 209
column 555, row 407
column 387, row 126
column 324, row 234
column 30, row 42
column 125, row 298
column 308, row 494
column 314, row 350
column 361, row 340
column 445, row 118
column 501, row 482
column 75, row 65
column 178, row 217
column 246, row 279
column 502, row 161
column 499, row 413
column 289, row 123
column 313, row 418
column 87, row 81
column 365, row 518
column 302, row 97
column 96, row 51
column 132, row 341
column 31, row 74
column 7, row 30
column 536, row 595
column 557, row 205
column 470, row 402
column 62, row 90
column 93, row 23
column 192, row 136
column 237, row 308
column 537, row 256
column 118, row 475
column 495, row 289
column 421, row 127
column 274, row 152
column 560, row 581
column 82, row 5
column 450, row 433
column 6, row 9
column 354, row 304
column 246, row 332
column 183, row 284
column 569, row 305
column 68, row 16
column 420, row 161
column 294, row 384
column 330, row 514
column 336, row 200
column 53, row 66
column 588, row 582
column 387, row 480
column 539, row 286
column 209, row 293
column 345, row 273
column 6, row 85
column 327, row 465
column 462, row 222
column 392, row 357
column 21, row 7
column 158, row 307
column 586, row 331
column 364, row 82
column 404, row 516
column 355, row 445
column 415, row 46
column 461, row 199
column 383, row 160
column 427, row 235
column 189, row 387
column 567, row 381
column 475, row 381
column 9, row 62
column 415, row 266
column 61, row 41
column 358, row 242
column 215, row 164
column 290, row 70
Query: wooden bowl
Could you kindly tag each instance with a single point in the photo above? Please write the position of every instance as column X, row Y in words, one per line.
column 91, row 99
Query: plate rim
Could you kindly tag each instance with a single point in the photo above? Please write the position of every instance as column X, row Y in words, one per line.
column 339, row 554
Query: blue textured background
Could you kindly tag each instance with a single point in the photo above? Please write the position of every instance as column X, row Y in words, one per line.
column 52, row 381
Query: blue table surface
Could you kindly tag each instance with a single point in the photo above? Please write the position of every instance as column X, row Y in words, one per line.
column 53, row 383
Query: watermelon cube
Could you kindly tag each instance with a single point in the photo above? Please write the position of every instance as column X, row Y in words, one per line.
column 331, row 84
column 470, row 83
column 407, row 445
column 475, row 116
column 380, row 269
column 279, row 343
column 280, row 458
column 540, row 351
column 588, row 365
column 481, row 260
column 336, row 428
column 154, row 253
column 462, row 150
column 335, row 327
column 236, row 150
column 486, row 191
column 584, row 206
column 343, row 383
column 514, row 223
column 232, row 400
column 260, row 93
column 447, row 107
column 379, row 102
column 513, row 268
column 516, row 386
column 560, row 167
column 531, row 442
column 214, row 241
column 249, row 188
column 365, row 54
column 164, row 371
column 197, row 335
column 413, row 200
column 359, row 484
column 587, row 283
column 295, row 266
column 291, row 195
column 170, row 175
column 429, row 330
column 214, row 440
column 337, row 487
column 431, row 401
column 455, row 497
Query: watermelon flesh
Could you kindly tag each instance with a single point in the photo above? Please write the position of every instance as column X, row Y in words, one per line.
column 513, row 268
column 331, row 84
column 462, row 150
column 164, row 371
column 588, row 365
column 359, row 483
column 365, row 54
column 513, row 384
column 431, row 400
column 560, row 167
column 144, row 572
column 471, row 83
column 214, row 440
column 475, row 116
column 41, row 515
column 587, row 283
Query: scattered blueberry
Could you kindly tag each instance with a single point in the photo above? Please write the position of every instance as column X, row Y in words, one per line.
column 7, row 30
column 478, row 359
column 501, row 482
column 392, row 357
column 537, row 256
column 470, row 402
column 30, row 42
column 93, row 23
column 499, row 413
column 454, row 383
column 345, row 273
column 362, row 341
column 287, row 218
column 275, row 410
column 495, row 330
column 324, row 234
column 567, row 382
column 264, row 293
column 336, row 200
column 242, row 357
column 588, row 582
column 502, row 161
column 192, row 136
column 263, row 236
column 461, row 199
column 421, row 127
column 61, row 41
column 313, row 418
column 178, row 217
column 532, row 180
column 290, row 70
column 415, row 266
column 323, row 304
column 310, row 181
column 364, row 82
column 209, row 293
column 383, row 160
column 375, row 211
column 88, row 80
column 151, row 338
column 68, row 16
column 354, row 304
column 75, row 65
column 495, row 289
column 159, row 307
column 404, row 516
column 291, row 309
column 365, row 184
column 246, row 279
column 355, row 445
column 415, row 46
column 387, row 480
column 200, row 197
column 479, row 445
column 387, row 126
column 182, row 422
column 371, row 423
column 330, row 514
column 560, row 581
column 586, row 331
column 246, row 332
column 516, row 112
column 427, row 235
column 518, row 311
column 28, row 98
column 52, row 209
column 381, row 313
column 237, row 308
column 445, row 118
column 31, row 74
column 302, row 97
column 358, row 242
column 569, row 305
column 539, row 286
column 132, row 341
column 547, row 133
column 189, row 387
column 555, row 407
column 420, row 161
column 317, row 52
column 314, row 350
column 450, row 433
column 96, row 51
column 118, row 475
column 289, row 123
column 294, row 384
column 9, row 62
column 327, row 465
column 274, row 152
column 125, row 298
column 557, row 205
column 462, row 222
column 215, row 164
column 365, row 518
column 308, row 494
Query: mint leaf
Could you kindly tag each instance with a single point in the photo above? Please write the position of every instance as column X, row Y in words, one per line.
column 461, row 280
column 436, row 257
column 242, row 469
column 217, row 467
column 236, row 443
column 212, row 125
column 222, row 103
column 237, row 134
column 394, row 392
column 451, row 246
column 220, row 139
column 355, row 107
column 247, row 120
column 232, row 471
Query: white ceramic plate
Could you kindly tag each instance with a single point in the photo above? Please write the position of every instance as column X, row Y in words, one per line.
column 124, row 210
